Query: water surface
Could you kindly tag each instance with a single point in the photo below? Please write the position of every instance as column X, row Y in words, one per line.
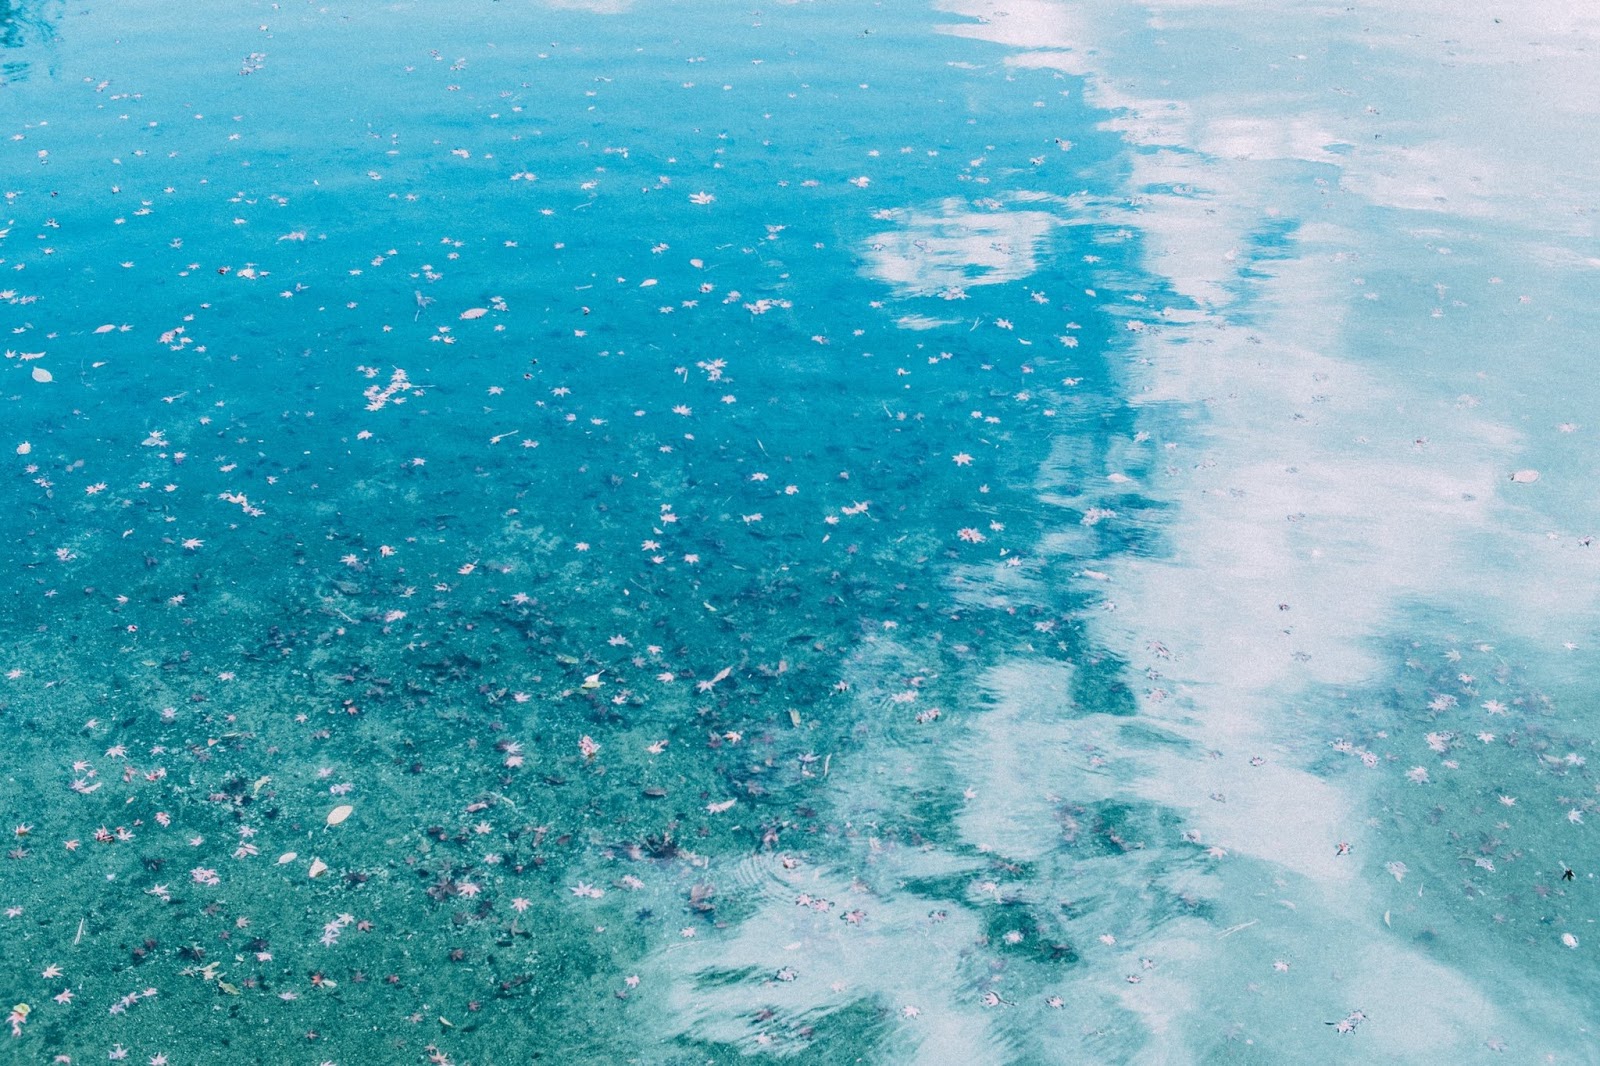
column 676, row 533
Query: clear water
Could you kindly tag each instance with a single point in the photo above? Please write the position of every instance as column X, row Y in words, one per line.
column 982, row 534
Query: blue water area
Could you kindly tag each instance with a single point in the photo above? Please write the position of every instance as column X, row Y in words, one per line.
column 597, row 532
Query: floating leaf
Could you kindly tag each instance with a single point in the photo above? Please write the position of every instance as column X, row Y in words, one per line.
column 340, row 813
column 474, row 312
column 40, row 374
column 287, row 857
column 318, row 868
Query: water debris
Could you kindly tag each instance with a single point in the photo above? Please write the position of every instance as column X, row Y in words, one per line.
column 339, row 814
column 1349, row 1022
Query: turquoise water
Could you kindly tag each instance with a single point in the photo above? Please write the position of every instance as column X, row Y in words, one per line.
column 664, row 533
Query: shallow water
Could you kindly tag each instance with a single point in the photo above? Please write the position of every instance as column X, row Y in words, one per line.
column 605, row 532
